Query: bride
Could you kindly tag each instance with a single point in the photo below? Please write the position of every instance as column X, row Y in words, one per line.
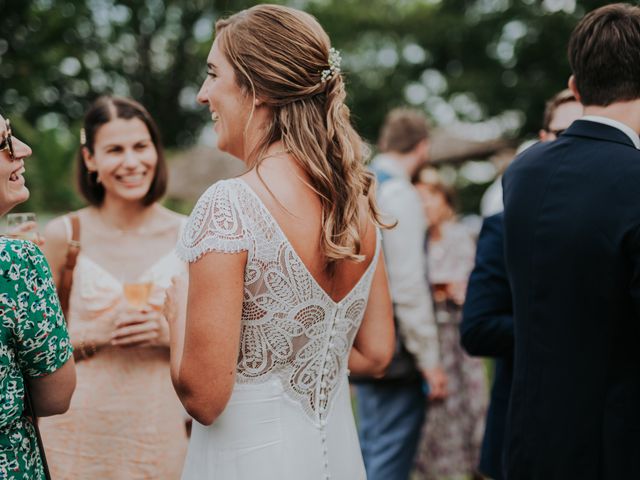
column 287, row 285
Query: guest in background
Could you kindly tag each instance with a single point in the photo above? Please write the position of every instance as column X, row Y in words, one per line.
column 391, row 409
column 487, row 330
column 125, row 421
column 35, row 351
column 560, row 111
column 572, row 251
column 487, row 321
column 452, row 434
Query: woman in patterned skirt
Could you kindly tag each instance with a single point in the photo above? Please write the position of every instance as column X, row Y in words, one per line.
column 35, row 351
column 452, row 435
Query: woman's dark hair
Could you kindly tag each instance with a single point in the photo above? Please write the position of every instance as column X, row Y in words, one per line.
column 102, row 111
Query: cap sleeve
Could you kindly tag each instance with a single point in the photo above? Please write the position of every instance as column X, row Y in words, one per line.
column 39, row 328
column 216, row 224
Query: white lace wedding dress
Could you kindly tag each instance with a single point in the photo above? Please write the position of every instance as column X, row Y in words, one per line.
column 289, row 416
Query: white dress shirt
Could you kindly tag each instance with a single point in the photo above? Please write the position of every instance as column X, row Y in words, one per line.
column 626, row 129
column 405, row 260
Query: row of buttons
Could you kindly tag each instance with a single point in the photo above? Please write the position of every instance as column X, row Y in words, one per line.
column 322, row 410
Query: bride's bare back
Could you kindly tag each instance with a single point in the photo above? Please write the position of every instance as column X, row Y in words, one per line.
column 281, row 186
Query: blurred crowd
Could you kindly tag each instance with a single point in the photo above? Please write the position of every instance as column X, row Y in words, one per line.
column 86, row 309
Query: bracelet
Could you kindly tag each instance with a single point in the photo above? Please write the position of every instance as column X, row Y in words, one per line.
column 87, row 351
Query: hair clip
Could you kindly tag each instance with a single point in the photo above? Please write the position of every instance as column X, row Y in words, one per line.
column 334, row 65
column 83, row 137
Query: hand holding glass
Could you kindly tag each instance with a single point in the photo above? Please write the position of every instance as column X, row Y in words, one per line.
column 137, row 294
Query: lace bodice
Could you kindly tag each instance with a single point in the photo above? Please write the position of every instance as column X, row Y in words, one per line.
column 291, row 328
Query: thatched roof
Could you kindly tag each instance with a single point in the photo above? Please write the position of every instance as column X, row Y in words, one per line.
column 447, row 147
column 193, row 170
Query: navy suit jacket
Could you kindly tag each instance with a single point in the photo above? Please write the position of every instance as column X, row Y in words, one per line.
column 572, row 248
column 487, row 330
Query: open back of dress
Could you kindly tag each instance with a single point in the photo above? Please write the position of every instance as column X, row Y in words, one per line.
column 289, row 416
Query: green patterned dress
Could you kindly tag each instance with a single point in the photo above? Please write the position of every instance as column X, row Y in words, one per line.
column 33, row 342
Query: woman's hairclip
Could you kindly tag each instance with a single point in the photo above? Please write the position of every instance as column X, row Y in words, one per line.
column 334, row 65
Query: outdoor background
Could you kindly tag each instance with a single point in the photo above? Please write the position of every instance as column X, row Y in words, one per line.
column 480, row 69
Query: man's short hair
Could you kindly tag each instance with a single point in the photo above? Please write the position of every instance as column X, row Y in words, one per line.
column 402, row 130
column 604, row 53
column 565, row 96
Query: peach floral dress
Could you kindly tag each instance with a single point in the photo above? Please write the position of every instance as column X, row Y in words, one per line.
column 125, row 420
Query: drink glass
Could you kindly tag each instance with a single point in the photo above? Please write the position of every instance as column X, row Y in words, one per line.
column 16, row 220
column 137, row 293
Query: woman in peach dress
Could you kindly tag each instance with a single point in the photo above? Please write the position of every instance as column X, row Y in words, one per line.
column 125, row 421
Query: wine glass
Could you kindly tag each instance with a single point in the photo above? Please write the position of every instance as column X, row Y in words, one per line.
column 15, row 222
column 137, row 293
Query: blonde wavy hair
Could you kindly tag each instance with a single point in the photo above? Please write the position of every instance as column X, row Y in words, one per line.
column 278, row 55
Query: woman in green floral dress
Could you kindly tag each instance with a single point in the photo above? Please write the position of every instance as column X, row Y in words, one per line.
column 34, row 345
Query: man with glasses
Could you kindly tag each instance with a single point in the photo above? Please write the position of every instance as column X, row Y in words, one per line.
column 559, row 113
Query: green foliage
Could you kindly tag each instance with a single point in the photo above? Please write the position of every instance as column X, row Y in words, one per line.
column 51, row 175
column 467, row 60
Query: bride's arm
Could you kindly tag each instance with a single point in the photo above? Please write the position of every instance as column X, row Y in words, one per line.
column 175, row 309
column 374, row 343
column 203, row 365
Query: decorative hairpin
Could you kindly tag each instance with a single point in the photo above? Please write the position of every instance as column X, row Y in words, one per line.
column 83, row 137
column 334, row 65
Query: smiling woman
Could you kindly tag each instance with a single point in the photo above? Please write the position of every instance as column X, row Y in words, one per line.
column 14, row 191
column 125, row 421
column 287, row 284
column 35, row 353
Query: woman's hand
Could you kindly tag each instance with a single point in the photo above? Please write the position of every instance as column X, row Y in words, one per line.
column 99, row 333
column 141, row 328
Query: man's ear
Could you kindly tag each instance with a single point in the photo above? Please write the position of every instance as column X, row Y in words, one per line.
column 422, row 149
column 542, row 135
column 89, row 161
column 574, row 87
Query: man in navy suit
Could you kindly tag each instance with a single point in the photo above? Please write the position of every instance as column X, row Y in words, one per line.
column 487, row 330
column 487, row 320
column 572, row 249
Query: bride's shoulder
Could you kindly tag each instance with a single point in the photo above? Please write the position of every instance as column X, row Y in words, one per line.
column 223, row 189
column 227, row 202
column 217, row 223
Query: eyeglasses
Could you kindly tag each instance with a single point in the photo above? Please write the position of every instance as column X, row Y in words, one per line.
column 7, row 141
